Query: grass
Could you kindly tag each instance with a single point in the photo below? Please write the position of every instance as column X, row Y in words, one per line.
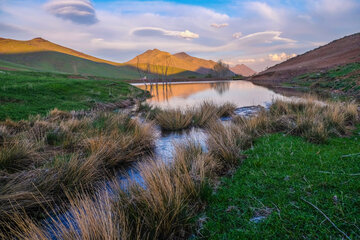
column 145, row 210
column 30, row 93
column 44, row 158
column 339, row 82
column 280, row 174
column 200, row 116
column 300, row 157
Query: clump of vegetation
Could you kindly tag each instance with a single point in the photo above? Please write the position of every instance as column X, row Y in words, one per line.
column 311, row 119
column 200, row 116
column 174, row 119
column 226, row 143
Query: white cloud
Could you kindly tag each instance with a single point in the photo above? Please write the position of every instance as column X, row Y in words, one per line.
column 221, row 25
column 281, row 57
column 78, row 11
column 152, row 31
column 266, row 37
column 237, row 35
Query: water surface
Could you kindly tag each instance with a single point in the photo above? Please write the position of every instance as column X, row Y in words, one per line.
column 241, row 93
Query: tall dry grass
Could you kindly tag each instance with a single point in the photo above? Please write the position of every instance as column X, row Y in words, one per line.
column 174, row 119
column 160, row 207
column 59, row 153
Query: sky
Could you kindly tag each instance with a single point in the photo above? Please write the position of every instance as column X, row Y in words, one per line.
column 256, row 33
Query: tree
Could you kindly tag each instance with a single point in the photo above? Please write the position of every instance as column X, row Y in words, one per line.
column 221, row 69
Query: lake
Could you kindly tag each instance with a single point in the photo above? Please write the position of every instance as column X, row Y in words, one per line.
column 188, row 94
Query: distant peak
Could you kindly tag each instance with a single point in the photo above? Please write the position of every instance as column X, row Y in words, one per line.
column 39, row 39
column 182, row 53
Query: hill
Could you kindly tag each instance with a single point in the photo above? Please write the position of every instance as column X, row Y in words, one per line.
column 41, row 55
column 63, row 63
column 243, row 70
column 180, row 61
column 339, row 52
column 10, row 46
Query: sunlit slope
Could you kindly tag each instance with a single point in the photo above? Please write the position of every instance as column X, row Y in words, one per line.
column 10, row 46
column 156, row 58
column 41, row 55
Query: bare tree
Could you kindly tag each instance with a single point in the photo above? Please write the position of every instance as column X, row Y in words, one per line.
column 221, row 69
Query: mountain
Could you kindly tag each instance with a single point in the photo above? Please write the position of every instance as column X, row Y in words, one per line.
column 41, row 55
column 196, row 64
column 243, row 70
column 10, row 46
column 177, row 61
column 339, row 52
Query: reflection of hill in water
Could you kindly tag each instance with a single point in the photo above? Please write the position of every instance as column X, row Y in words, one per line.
column 164, row 92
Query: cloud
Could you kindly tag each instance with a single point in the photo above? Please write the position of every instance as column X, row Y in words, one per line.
column 333, row 6
column 77, row 11
column 264, row 10
column 221, row 25
column 266, row 37
column 152, row 32
column 237, row 35
column 281, row 57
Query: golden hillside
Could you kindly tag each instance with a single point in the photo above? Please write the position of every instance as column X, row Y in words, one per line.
column 10, row 46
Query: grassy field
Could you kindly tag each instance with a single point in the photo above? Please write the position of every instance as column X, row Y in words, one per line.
column 288, row 172
column 31, row 93
column 339, row 82
column 277, row 182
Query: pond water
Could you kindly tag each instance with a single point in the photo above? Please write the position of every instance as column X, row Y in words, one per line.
column 182, row 95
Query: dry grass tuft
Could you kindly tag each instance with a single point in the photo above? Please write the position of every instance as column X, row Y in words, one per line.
column 174, row 119
column 56, row 115
column 17, row 154
column 227, row 142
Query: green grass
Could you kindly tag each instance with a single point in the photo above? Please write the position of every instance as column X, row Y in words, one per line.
column 31, row 93
column 280, row 173
column 342, row 81
column 64, row 63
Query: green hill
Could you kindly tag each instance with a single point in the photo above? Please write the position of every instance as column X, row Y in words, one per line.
column 64, row 63
column 41, row 55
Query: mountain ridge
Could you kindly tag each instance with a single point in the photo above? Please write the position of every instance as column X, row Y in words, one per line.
column 338, row 52
column 243, row 70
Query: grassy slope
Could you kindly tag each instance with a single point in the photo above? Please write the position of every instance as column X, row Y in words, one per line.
column 14, row 66
column 343, row 81
column 279, row 172
column 63, row 63
column 30, row 93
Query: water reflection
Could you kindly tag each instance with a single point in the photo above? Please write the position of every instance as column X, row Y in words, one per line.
column 241, row 93
column 220, row 87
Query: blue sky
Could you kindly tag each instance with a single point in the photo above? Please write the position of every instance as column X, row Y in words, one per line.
column 258, row 33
